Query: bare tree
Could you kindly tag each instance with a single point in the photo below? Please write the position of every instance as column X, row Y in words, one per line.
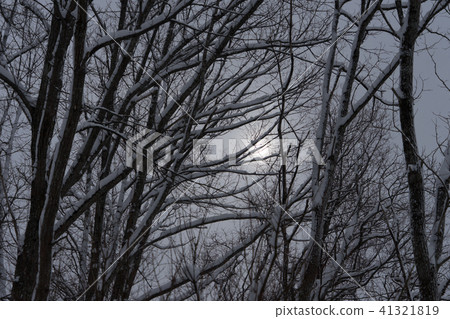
column 80, row 80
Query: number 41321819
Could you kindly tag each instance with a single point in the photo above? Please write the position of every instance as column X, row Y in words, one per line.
column 409, row 310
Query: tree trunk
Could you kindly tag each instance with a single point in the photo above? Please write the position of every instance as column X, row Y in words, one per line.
column 425, row 271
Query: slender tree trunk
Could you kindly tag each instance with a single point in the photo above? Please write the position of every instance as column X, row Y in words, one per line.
column 3, row 200
column 42, row 128
column 441, row 206
column 425, row 271
column 322, row 191
column 34, row 262
column 5, row 167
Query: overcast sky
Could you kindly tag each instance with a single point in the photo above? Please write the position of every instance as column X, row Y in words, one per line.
column 435, row 99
